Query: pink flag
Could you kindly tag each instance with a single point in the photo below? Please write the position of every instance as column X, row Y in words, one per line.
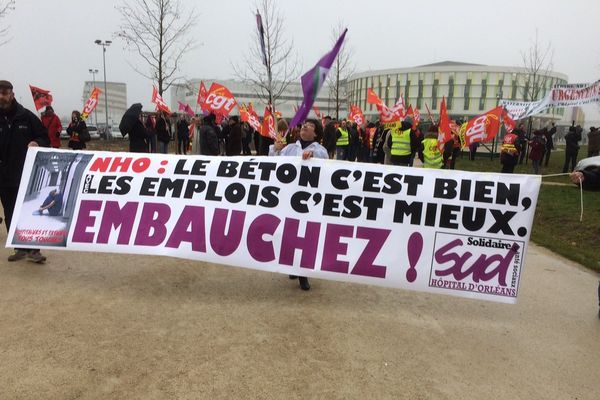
column 186, row 109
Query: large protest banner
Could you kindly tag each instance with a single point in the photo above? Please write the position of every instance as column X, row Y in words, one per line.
column 440, row 231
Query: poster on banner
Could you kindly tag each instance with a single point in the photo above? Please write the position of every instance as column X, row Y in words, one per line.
column 574, row 95
column 523, row 109
column 91, row 103
column 450, row 232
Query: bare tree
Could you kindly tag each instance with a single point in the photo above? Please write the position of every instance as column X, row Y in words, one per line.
column 282, row 65
column 537, row 61
column 341, row 70
column 5, row 8
column 157, row 30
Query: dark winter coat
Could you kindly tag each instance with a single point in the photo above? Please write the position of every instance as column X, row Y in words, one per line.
column 572, row 141
column 132, row 126
column 18, row 127
column 183, row 130
column 74, row 129
column 234, row 142
column 162, row 130
column 209, row 141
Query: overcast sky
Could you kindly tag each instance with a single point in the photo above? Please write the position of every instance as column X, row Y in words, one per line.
column 52, row 41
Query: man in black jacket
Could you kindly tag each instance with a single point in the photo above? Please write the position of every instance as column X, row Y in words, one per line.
column 19, row 129
column 209, row 139
column 572, row 148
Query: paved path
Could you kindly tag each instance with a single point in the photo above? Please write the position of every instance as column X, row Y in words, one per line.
column 96, row 326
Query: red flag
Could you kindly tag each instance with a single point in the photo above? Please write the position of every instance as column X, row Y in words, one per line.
column 90, row 104
column 444, row 131
column 247, row 114
column 509, row 122
column 316, row 110
column 157, row 99
column 372, row 98
column 416, row 118
column 41, row 97
column 357, row 115
column 268, row 125
column 219, row 100
column 409, row 111
column 482, row 128
column 201, row 94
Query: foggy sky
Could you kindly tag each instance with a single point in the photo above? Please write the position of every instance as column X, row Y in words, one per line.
column 52, row 41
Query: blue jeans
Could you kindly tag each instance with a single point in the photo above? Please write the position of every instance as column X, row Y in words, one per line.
column 341, row 153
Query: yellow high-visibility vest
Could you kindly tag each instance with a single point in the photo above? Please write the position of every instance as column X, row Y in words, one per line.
column 431, row 154
column 344, row 139
column 400, row 142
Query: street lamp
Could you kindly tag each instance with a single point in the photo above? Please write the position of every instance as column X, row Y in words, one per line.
column 104, row 45
column 94, row 72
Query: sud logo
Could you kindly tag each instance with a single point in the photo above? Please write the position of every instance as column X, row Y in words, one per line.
column 476, row 264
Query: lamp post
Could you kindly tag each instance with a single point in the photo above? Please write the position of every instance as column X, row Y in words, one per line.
column 104, row 45
column 94, row 72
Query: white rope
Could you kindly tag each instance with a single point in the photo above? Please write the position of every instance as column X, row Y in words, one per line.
column 548, row 176
column 581, row 193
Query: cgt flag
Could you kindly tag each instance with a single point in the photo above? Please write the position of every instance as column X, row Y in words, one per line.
column 268, row 125
column 91, row 103
column 41, row 97
column 157, row 99
column 444, row 131
column 313, row 80
column 482, row 128
column 201, row 94
column 357, row 115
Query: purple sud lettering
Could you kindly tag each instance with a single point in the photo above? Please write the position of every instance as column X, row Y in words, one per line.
column 450, row 253
column 98, row 221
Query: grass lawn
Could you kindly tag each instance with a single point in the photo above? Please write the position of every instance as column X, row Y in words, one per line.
column 556, row 223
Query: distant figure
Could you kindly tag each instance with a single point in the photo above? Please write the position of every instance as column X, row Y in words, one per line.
column 430, row 154
column 549, row 143
column 150, row 125
column 593, row 142
column 53, row 203
column 572, row 148
column 183, row 135
column 509, row 153
column 163, row 135
column 208, row 137
column 233, row 147
column 538, row 146
column 76, row 129
column 52, row 123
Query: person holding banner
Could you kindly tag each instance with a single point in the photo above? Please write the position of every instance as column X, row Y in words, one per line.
column 52, row 123
column 307, row 146
column 19, row 130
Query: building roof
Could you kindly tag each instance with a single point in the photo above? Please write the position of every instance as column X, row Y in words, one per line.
column 449, row 64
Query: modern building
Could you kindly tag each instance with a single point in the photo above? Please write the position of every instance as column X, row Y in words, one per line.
column 117, row 102
column 245, row 93
column 470, row 89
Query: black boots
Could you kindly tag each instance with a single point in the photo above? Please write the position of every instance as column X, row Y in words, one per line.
column 304, row 285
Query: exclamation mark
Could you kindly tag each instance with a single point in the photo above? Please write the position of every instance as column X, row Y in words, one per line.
column 415, row 247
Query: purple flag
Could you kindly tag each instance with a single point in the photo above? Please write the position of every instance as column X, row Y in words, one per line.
column 186, row 108
column 313, row 80
column 261, row 36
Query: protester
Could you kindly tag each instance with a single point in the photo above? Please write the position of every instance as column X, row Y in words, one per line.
column 151, row 132
column 549, row 143
column 452, row 151
column 342, row 141
column 538, row 146
column 183, row 135
column 430, row 154
column 77, row 131
column 163, row 134
column 234, row 142
column 307, row 146
column 572, row 148
column 509, row 152
column 593, row 142
column 19, row 129
column 53, row 203
column 353, row 140
column 521, row 141
column 329, row 136
column 247, row 132
column 208, row 138
column 132, row 125
column 473, row 150
column 403, row 143
column 52, row 124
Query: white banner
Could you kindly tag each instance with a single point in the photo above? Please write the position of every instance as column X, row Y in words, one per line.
column 570, row 95
column 451, row 232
